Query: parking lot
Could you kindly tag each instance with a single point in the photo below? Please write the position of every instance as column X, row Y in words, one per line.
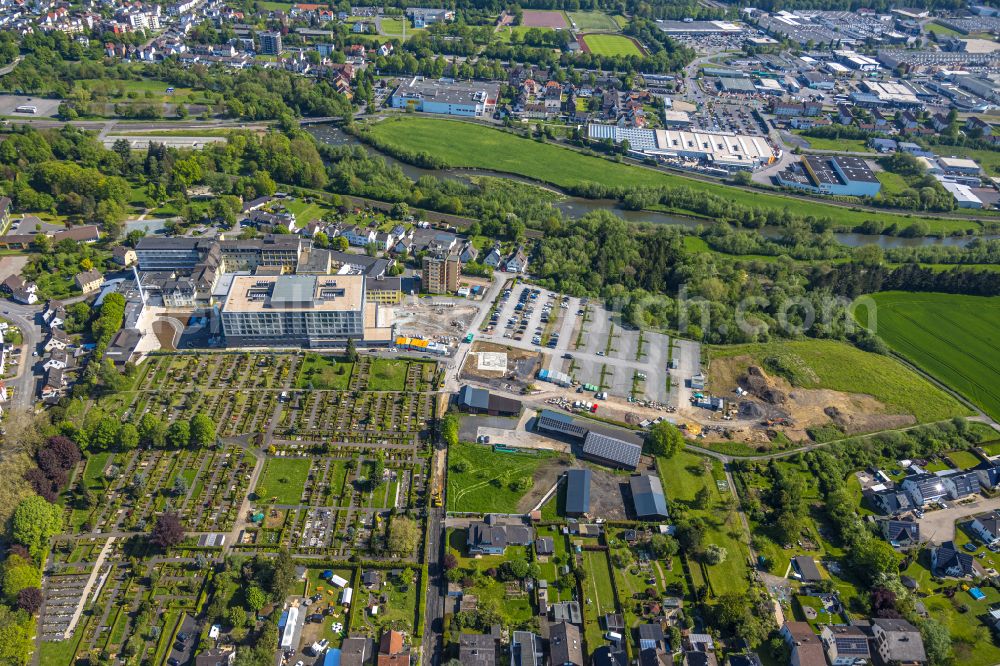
column 608, row 355
column 44, row 108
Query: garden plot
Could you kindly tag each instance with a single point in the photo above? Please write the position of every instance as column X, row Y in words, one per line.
column 204, row 488
column 357, row 417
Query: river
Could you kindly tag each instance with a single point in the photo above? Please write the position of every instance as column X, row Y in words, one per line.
column 578, row 207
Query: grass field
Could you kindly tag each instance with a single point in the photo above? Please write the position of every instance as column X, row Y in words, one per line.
column 324, row 373
column 941, row 30
column 472, row 145
column 484, row 483
column 611, row 45
column 953, row 338
column 283, row 478
column 387, row 375
column 599, row 595
column 892, row 183
column 843, row 145
column 683, row 476
column 392, row 26
column 838, row 366
column 593, row 21
column 141, row 90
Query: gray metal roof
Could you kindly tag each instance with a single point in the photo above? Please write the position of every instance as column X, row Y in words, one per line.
column 613, row 450
column 647, row 495
column 577, row 491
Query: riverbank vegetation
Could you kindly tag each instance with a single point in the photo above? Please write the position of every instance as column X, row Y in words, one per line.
column 417, row 140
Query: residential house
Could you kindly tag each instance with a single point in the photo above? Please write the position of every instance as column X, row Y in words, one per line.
column 493, row 257
column 924, row 488
column 20, row 290
column 695, row 658
column 988, row 473
column 986, row 526
column 939, row 122
column 898, row 642
column 468, row 253
column 565, row 645
column 88, row 281
column 805, row 566
column 901, row 533
column 526, row 649
column 891, row 502
column 58, row 340
column 806, row 647
column 517, row 262
column 961, row 484
column 845, row 645
column 55, row 383
column 477, row 649
column 359, row 236
column 567, row 611
column 356, row 651
column 123, row 256
column 59, row 359
column 486, row 539
column 948, row 560
column 544, row 546
column 392, row 651
column 651, row 637
column 54, row 314
column 216, row 657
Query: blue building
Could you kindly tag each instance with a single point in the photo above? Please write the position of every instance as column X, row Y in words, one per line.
column 839, row 176
column 447, row 97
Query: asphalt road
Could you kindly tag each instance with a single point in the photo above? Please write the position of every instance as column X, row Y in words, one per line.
column 26, row 317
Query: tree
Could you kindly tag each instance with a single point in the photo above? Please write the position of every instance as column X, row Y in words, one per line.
column 29, row 600
column 19, row 574
column 128, row 437
column 404, row 535
column 15, row 637
column 449, row 562
column 715, row 554
column 351, row 353
column 255, row 598
column 449, row 429
column 152, row 431
column 179, row 434
column 664, row 546
column 406, row 577
column 202, row 431
column 702, row 498
column 237, row 617
column 168, row 531
column 35, row 522
column 378, row 470
column 937, row 642
column 874, row 556
column 664, row 439
column 105, row 434
column 282, row 575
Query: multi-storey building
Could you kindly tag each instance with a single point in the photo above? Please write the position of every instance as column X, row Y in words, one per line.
column 299, row 310
column 441, row 271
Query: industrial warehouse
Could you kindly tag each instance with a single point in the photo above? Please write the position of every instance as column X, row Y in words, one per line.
column 720, row 150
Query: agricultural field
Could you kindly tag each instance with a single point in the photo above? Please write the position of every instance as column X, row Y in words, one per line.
column 951, row 337
column 827, row 364
column 480, row 480
column 473, row 145
column 596, row 21
column 611, row 45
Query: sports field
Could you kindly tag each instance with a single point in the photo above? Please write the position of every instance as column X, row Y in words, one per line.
column 953, row 338
column 611, row 45
column 592, row 21
column 538, row 18
column 476, row 146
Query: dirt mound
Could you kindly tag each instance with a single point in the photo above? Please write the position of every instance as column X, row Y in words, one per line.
column 751, row 410
column 857, row 422
column 757, row 383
